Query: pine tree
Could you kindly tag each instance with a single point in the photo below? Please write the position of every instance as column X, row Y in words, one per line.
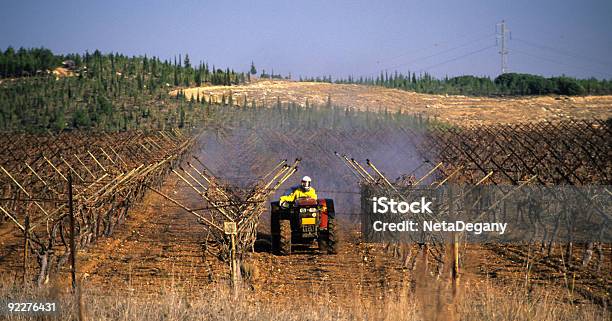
column 187, row 62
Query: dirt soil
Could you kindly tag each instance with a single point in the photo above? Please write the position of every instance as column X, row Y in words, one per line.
column 162, row 245
column 460, row 110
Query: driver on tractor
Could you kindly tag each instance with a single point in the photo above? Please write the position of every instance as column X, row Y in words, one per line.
column 304, row 190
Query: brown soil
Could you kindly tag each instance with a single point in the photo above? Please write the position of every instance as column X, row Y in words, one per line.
column 460, row 110
column 161, row 246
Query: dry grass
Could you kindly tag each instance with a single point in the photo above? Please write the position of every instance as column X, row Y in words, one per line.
column 487, row 302
column 482, row 301
column 460, row 110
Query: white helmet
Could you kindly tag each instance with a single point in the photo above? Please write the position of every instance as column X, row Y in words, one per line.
column 306, row 182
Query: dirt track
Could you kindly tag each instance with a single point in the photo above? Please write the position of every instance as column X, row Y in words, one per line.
column 460, row 110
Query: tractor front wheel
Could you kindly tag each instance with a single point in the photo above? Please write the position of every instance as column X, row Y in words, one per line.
column 328, row 242
column 285, row 237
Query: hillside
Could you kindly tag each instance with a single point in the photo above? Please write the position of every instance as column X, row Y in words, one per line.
column 460, row 110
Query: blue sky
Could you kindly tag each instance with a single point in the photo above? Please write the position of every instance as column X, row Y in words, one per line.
column 337, row 38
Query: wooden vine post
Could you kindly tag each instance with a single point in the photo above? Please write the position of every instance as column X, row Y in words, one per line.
column 231, row 230
column 455, row 244
column 26, row 244
column 455, row 272
column 72, row 235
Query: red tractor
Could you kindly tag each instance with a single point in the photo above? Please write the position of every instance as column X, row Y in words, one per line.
column 303, row 222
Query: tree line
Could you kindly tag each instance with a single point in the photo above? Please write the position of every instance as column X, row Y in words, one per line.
column 103, row 91
column 39, row 61
column 506, row 84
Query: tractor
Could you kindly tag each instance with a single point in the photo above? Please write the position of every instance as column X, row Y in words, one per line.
column 303, row 222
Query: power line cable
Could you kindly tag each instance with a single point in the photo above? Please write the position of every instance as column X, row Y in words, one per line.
column 438, row 53
column 437, row 44
column 561, row 63
column 562, row 37
column 563, row 52
column 457, row 58
column 442, row 43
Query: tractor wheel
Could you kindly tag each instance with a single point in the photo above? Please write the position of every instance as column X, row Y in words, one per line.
column 332, row 236
column 285, row 237
column 322, row 241
column 275, row 231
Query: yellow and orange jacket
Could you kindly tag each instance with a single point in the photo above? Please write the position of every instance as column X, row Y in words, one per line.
column 298, row 192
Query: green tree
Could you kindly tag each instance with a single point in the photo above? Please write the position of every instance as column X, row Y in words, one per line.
column 187, row 62
column 569, row 86
column 81, row 119
column 181, row 117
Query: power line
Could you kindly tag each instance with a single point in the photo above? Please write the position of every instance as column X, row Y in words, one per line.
column 503, row 34
column 438, row 53
column 563, row 52
column 442, row 43
column 560, row 62
column 437, row 44
column 457, row 58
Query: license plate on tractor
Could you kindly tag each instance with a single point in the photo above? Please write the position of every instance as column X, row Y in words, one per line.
column 309, row 225
column 309, row 221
